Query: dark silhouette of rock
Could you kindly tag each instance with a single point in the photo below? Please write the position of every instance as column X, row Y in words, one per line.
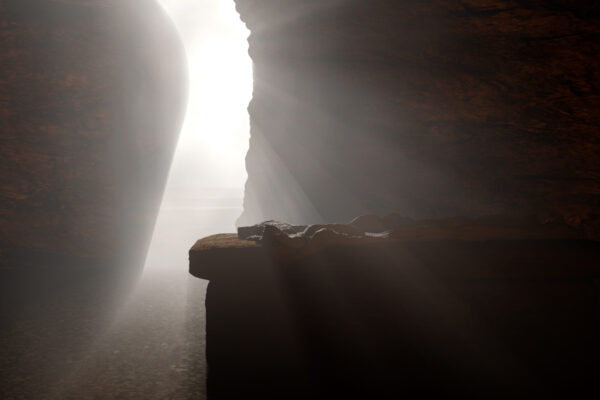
column 468, row 308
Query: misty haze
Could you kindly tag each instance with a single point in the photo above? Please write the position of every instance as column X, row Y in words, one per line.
column 299, row 199
column 92, row 355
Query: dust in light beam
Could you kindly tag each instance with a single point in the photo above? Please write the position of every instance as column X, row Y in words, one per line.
column 205, row 188
column 214, row 138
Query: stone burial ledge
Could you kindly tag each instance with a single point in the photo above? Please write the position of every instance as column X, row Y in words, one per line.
column 218, row 254
column 391, row 306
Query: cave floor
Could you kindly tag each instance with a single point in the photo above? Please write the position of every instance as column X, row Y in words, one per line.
column 66, row 342
column 72, row 334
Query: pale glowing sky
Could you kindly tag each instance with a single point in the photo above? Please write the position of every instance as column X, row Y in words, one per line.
column 204, row 192
column 214, row 139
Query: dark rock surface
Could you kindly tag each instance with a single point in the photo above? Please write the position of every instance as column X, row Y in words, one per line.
column 92, row 97
column 451, row 308
column 433, row 109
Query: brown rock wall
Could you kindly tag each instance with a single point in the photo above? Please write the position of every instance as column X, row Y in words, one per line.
column 429, row 109
column 92, row 95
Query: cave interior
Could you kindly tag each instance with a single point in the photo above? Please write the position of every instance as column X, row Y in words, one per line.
column 464, row 132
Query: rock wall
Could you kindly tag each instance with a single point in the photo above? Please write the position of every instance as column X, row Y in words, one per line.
column 92, row 97
column 429, row 109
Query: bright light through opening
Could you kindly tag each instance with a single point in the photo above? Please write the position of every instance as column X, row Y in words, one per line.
column 205, row 188
column 214, row 139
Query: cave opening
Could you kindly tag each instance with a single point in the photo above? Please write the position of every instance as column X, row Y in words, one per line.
column 205, row 188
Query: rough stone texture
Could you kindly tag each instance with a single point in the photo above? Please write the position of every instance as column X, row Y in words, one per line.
column 429, row 109
column 439, row 318
column 92, row 95
column 216, row 256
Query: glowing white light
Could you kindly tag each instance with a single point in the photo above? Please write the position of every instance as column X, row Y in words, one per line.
column 214, row 138
column 205, row 188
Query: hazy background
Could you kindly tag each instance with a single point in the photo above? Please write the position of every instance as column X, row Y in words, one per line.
column 76, row 335
column 154, row 347
column 205, row 188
